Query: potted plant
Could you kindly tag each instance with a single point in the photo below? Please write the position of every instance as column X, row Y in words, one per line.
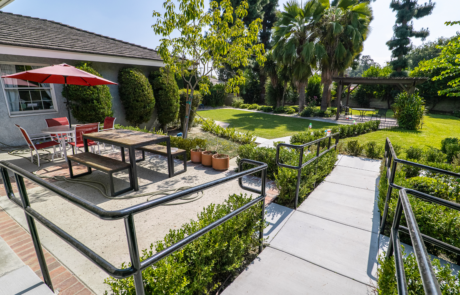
column 206, row 158
column 195, row 154
column 220, row 162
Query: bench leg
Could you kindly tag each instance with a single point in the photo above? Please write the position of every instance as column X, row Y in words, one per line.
column 184, row 156
column 114, row 193
column 143, row 157
column 71, row 170
column 122, row 154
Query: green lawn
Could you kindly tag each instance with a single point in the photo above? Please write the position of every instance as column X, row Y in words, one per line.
column 263, row 125
column 435, row 129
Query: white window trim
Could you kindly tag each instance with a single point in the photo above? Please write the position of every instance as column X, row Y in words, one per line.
column 29, row 113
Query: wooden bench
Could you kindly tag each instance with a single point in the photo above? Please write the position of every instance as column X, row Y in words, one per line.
column 162, row 150
column 104, row 164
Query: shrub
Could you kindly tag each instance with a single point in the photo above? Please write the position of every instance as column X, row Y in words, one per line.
column 136, row 95
column 386, row 274
column 296, row 108
column 237, row 103
column 307, row 112
column 451, row 151
column 89, row 104
column 216, row 97
column 253, row 106
column 372, row 150
column 203, row 265
column 195, row 103
column 209, row 125
column 167, row 96
column 290, row 110
column 279, row 110
column 447, row 141
column 414, row 153
column 409, row 110
column 262, row 154
column 244, row 106
column 273, row 95
column 354, row 148
column 434, row 155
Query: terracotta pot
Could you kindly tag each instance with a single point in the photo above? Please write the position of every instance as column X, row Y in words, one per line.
column 206, row 158
column 196, row 155
column 220, row 162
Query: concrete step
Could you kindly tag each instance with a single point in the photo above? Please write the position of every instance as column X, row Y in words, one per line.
column 350, row 206
column 23, row 281
column 276, row 216
column 343, row 249
column 359, row 163
column 353, row 177
column 276, row 272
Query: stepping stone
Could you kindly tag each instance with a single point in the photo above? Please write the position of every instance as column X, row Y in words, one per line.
column 276, row 272
column 353, row 177
column 23, row 281
column 344, row 204
column 345, row 250
column 360, row 163
column 276, row 216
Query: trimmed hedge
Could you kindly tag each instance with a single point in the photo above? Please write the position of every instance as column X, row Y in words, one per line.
column 89, row 104
column 253, row 106
column 167, row 97
column 237, row 103
column 195, row 103
column 216, row 97
column 202, row 266
column 210, row 125
column 136, row 95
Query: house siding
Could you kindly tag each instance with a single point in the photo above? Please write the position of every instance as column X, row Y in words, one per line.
column 35, row 123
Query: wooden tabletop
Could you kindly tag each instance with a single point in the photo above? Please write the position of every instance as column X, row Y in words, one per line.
column 124, row 137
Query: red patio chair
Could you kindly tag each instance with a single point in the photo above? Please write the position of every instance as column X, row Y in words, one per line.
column 39, row 146
column 109, row 124
column 63, row 121
column 79, row 131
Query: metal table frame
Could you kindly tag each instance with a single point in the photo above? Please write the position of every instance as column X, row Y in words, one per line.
column 362, row 112
column 132, row 150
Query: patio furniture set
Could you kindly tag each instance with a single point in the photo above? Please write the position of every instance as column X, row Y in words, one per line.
column 378, row 113
column 90, row 135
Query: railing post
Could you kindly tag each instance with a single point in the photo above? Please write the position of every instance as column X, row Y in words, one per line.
column 388, row 197
column 33, row 231
column 6, row 182
column 299, row 175
column 395, row 227
column 134, row 254
column 261, row 232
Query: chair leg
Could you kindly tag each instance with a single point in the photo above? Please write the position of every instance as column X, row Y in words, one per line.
column 31, row 157
column 38, row 158
column 54, row 152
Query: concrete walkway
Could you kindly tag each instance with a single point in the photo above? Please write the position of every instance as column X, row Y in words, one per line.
column 328, row 246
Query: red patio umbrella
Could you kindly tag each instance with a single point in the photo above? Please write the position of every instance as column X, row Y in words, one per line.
column 61, row 74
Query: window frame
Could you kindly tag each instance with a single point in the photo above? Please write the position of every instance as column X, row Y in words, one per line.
column 33, row 112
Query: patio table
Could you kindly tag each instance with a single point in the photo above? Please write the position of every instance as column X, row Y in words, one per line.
column 64, row 129
column 131, row 140
column 362, row 112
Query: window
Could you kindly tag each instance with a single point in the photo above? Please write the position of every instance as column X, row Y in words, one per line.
column 25, row 97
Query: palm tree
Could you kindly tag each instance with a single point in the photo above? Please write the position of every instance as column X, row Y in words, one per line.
column 341, row 31
column 270, row 69
column 294, row 46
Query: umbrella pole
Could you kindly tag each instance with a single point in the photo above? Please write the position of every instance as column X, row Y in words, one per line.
column 67, row 105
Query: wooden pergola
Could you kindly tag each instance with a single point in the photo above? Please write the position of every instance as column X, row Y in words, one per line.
column 404, row 83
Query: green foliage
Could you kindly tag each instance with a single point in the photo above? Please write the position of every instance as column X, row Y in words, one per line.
column 244, row 106
column 279, row 110
column 253, row 106
column 372, row 150
column 273, row 94
column 290, row 110
column 179, row 142
column 216, row 97
column 413, row 153
column 210, row 125
column 451, row 147
column 434, row 155
column 426, row 51
column 262, row 154
column 354, row 148
column 250, row 92
column 400, row 43
column 237, row 103
column 182, row 109
column 386, row 274
column 167, row 96
column 448, row 141
column 364, row 93
column 203, row 265
column 314, row 89
column 136, row 95
column 409, row 110
column 89, row 104
column 266, row 108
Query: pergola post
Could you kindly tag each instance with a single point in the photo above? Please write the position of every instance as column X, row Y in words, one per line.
column 339, row 99
column 348, row 93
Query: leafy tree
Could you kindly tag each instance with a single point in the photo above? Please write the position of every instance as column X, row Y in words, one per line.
column 426, row 51
column 362, row 65
column 341, row 31
column 136, row 95
column 251, row 90
column 294, row 47
column 195, row 54
column 449, row 64
column 400, row 44
column 364, row 92
column 167, row 96
column 271, row 70
column 89, row 104
column 314, row 89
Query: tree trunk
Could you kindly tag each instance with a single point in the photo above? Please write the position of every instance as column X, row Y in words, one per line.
column 278, row 100
column 262, row 79
column 188, row 107
column 301, row 89
column 284, row 94
column 327, row 84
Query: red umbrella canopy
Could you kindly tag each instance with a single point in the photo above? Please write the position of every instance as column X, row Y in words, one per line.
column 61, row 74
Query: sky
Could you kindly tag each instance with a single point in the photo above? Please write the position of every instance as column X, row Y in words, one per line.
column 131, row 20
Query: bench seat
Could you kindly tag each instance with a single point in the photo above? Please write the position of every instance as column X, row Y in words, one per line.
column 162, row 150
column 101, row 163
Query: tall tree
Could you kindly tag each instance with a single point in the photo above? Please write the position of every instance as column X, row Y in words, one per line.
column 426, row 51
column 341, row 31
column 294, row 47
column 401, row 44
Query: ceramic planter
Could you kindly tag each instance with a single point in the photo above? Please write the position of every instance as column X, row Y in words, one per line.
column 220, row 162
column 206, row 158
column 195, row 155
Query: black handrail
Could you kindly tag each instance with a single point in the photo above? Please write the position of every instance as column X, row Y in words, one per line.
column 301, row 153
column 127, row 214
column 429, row 281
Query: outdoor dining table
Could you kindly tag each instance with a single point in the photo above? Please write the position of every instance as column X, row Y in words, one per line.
column 131, row 140
column 62, row 130
column 362, row 112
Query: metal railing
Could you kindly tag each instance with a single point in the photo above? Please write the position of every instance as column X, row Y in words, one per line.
column 429, row 281
column 127, row 214
column 301, row 165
